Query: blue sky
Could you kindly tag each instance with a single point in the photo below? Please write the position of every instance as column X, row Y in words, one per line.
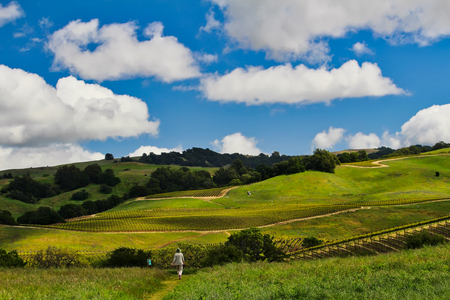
column 81, row 79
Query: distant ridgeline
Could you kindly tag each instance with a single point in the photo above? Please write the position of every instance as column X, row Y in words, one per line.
column 386, row 152
column 207, row 158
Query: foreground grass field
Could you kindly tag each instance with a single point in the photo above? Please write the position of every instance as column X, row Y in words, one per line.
column 88, row 284
column 416, row 274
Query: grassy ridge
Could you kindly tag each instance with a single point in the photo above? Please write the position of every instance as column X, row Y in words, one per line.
column 418, row 274
column 406, row 178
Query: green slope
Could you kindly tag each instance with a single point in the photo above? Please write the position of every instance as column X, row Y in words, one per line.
column 405, row 178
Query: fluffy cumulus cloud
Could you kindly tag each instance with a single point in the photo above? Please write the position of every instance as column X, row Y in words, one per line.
column 327, row 139
column 51, row 155
column 298, row 85
column 361, row 49
column 363, row 141
column 10, row 12
column 292, row 29
column 237, row 143
column 155, row 150
column 118, row 53
column 428, row 126
column 33, row 113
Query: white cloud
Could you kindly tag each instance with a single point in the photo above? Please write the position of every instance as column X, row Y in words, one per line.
column 33, row 113
column 290, row 29
column 327, row 140
column 361, row 49
column 211, row 22
column 428, row 126
column 10, row 13
column 119, row 54
column 51, row 155
column 299, row 85
column 206, row 58
column 237, row 143
column 155, row 150
column 362, row 141
column 45, row 23
column 23, row 31
column 390, row 140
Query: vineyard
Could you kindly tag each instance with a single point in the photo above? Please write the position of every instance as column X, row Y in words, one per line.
column 212, row 219
column 384, row 241
column 201, row 219
column 217, row 192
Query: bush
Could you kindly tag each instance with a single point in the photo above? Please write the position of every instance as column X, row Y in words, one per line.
column 54, row 257
column 223, row 255
column 235, row 182
column 137, row 191
column 104, row 189
column 128, row 257
column 11, row 259
column 255, row 246
column 79, row 196
column 43, row 216
column 311, row 242
column 419, row 239
column 6, row 218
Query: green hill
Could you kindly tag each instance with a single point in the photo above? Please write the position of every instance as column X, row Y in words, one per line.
column 406, row 178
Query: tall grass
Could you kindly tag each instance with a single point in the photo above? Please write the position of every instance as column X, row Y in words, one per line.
column 412, row 274
column 54, row 284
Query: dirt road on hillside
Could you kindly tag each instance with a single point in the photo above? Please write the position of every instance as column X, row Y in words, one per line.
column 378, row 163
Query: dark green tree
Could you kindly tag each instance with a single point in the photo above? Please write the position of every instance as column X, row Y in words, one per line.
column 43, row 216
column 255, row 246
column 7, row 218
column 109, row 156
column 323, row 161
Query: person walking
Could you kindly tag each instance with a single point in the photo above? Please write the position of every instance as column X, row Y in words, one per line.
column 178, row 262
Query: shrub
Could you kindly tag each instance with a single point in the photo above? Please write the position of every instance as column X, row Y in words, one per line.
column 235, row 182
column 255, row 246
column 54, row 257
column 104, row 189
column 137, row 191
column 11, row 259
column 79, row 196
column 128, row 257
column 223, row 255
column 419, row 239
column 311, row 242
column 43, row 216
column 7, row 218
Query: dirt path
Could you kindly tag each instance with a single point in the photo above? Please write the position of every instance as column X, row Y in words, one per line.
column 169, row 285
column 208, row 199
column 378, row 163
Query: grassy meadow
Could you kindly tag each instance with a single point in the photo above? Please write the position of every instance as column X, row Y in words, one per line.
column 78, row 283
column 411, row 274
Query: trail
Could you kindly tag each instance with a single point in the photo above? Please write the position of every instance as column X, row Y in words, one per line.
column 169, row 285
column 207, row 199
column 378, row 163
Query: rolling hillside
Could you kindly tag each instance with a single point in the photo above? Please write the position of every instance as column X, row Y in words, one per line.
column 411, row 178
